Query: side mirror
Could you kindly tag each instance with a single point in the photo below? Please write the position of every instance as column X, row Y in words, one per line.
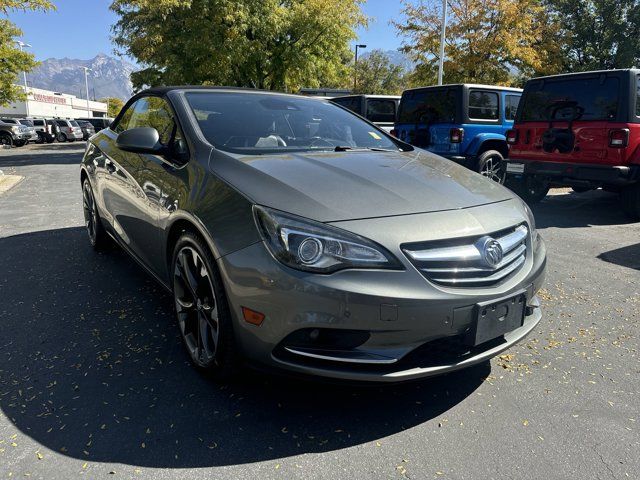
column 140, row 140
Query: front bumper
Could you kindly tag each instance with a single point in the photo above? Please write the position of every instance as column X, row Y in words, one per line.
column 563, row 173
column 387, row 326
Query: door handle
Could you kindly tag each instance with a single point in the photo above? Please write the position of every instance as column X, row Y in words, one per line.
column 110, row 166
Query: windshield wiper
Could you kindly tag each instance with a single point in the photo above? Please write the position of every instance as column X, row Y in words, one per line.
column 345, row 148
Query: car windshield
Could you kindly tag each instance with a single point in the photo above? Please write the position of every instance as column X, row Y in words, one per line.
column 434, row 105
column 571, row 99
column 257, row 123
column 28, row 123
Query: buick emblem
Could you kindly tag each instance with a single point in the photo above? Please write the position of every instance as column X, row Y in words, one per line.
column 492, row 252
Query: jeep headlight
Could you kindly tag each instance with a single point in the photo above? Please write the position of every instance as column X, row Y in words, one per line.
column 312, row 246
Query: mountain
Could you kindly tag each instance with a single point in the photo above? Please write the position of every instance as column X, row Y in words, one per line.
column 397, row 58
column 109, row 76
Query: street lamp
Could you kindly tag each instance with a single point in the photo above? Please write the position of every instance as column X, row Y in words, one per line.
column 442, row 37
column 355, row 68
column 22, row 45
column 86, row 85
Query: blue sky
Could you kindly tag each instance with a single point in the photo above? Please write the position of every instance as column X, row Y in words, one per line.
column 81, row 28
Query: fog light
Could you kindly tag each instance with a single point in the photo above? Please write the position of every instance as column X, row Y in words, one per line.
column 310, row 250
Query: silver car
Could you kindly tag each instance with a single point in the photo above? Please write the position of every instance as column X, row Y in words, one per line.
column 295, row 235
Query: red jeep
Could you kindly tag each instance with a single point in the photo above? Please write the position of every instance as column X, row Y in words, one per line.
column 579, row 130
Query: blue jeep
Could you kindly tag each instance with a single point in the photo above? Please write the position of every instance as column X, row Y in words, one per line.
column 464, row 123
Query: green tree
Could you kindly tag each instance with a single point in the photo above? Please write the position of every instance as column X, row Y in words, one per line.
column 376, row 74
column 487, row 41
column 270, row 44
column 114, row 105
column 598, row 34
column 12, row 60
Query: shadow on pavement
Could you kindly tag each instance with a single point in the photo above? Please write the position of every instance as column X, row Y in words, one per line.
column 595, row 207
column 91, row 365
column 46, row 154
column 628, row 256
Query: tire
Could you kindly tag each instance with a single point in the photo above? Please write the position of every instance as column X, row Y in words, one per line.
column 98, row 237
column 20, row 143
column 6, row 139
column 491, row 165
column 41, row 139
column 200, row 301
column 581, row 189
column 61, row 137
column 630, row 197
column 532, row 190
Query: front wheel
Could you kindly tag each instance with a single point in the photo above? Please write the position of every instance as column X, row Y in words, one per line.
column 20, row 143
column 491, row 165
column 202, row 309
column 6, row 140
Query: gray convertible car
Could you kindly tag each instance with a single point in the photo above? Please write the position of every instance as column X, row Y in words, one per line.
column 295, row 235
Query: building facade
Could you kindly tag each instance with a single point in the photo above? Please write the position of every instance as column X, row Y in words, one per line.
column 48, row 104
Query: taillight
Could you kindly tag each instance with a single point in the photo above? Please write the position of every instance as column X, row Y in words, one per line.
column 456, row 135
column 512, row 137
column 619, row 138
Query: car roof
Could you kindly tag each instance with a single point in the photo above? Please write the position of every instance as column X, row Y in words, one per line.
column 185, row 88
column 590, row 72
column 369, row 95
column 472, row 85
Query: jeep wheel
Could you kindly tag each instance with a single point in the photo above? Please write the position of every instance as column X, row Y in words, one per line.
column 61, row 137
column 630, row 197
column 491, row 165
column 20, row 143
column 531, row 189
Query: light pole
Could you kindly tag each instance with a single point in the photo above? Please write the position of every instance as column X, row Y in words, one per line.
column 86, row 85
column 355, row 68
column 442, row 37
column 21, row 44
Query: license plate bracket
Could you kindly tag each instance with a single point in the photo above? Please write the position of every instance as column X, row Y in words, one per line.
column 497, row 317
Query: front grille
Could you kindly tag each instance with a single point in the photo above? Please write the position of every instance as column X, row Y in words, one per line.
column 467, row 263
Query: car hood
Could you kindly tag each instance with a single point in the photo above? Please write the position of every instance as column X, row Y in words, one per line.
column 336, row 186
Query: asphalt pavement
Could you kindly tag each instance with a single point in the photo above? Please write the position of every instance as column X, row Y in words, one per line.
column 94, row 382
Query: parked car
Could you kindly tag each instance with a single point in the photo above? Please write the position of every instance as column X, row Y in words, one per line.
column 294, row 234
column 43, row 129
column 379, row 109
column 87, row 129
column 98, row 122
column 13, row 133
column 67, row 130
column 32, row 131
column 464, row 123
column 579, row 130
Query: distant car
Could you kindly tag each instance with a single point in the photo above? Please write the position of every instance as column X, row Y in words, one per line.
column 44, row 129
column 29, row 124
column 379, row 109
column 67, row 130
column 579, row 130
column 13, row 133
column 465, row 123
column 87, row 129
column 98, row 122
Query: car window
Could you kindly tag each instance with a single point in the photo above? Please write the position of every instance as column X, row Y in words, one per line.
column 153, row 112
column 28, row 123
column 511, row 106
column 257, row 123
column 483, row 105
column 39, row 123
column 10, row 120
column 381, row 110
column 123, row 122
column 433, row 105
column 62, row 123
column 74, row 123
column 591, row 98
column 352, row 103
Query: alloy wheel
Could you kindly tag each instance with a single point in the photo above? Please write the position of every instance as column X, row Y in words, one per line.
column 493, row 169
column 196, row 305
column 90, row 213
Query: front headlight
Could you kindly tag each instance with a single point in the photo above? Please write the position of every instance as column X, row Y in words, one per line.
column 532, row 222
column 315, row 247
